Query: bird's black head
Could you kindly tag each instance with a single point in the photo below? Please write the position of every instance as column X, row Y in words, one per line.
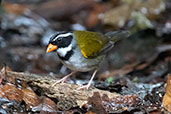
column 60, row 40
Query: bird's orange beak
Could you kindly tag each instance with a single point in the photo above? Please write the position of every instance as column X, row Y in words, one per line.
column 51, row 48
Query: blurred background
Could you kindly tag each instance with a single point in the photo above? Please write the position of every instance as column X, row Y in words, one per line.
column 26, row 26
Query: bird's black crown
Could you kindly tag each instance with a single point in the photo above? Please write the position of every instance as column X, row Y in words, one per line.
column 62, row 39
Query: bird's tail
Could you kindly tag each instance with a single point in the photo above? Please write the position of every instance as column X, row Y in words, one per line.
column 117, row 35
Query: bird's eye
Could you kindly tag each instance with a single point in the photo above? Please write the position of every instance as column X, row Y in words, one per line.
column 59, row 40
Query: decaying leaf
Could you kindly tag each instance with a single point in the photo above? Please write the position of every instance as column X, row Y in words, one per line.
column 46, row 106
column 3, row 75
column 9, row 91
column 90, row 112
column 167, row 97
column 30, row 98
column 104, row 104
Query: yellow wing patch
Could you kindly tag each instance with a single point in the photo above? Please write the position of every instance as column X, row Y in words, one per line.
column 84, row 54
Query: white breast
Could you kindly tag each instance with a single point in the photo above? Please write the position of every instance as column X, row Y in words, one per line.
column 79, row 63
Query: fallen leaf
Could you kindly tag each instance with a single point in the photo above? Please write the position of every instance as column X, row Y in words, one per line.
column 167, row 97
column 11, row 92
column 46, row 106
column 2, row 94
column 90, row 112
column 121, row 103
column 104, row 104
column 3, row 74
column 96, row 104
column 30, row 98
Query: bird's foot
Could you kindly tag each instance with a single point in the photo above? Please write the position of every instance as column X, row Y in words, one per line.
column 84, row 86
column 60, row 81
column 89, row 83
column 64, row 78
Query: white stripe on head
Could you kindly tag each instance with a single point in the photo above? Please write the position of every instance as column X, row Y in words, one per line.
column 63, row 35
column 63, row 51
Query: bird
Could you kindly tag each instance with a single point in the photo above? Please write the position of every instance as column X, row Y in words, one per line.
column 83, row 51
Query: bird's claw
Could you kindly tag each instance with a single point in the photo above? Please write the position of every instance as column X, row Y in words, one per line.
column 60, row 81
column 64, row 78
column 84, row 87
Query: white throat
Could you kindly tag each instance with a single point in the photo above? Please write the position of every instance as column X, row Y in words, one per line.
column 63, row 51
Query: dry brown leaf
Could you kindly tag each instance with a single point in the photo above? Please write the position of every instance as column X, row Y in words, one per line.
column 3, row 75
column 121, row 103
column 11, row 92
column 3, row 70
column 49, row 103
column 46, row 106
column 104, row 104
column 167, row 97
column 90, row 112
column 30, row 98
column 2, row 94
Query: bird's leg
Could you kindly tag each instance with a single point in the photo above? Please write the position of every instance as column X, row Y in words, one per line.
column 89, row 83
column 64, row 78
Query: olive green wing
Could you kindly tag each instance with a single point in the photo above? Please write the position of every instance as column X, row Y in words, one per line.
column 90, row 43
